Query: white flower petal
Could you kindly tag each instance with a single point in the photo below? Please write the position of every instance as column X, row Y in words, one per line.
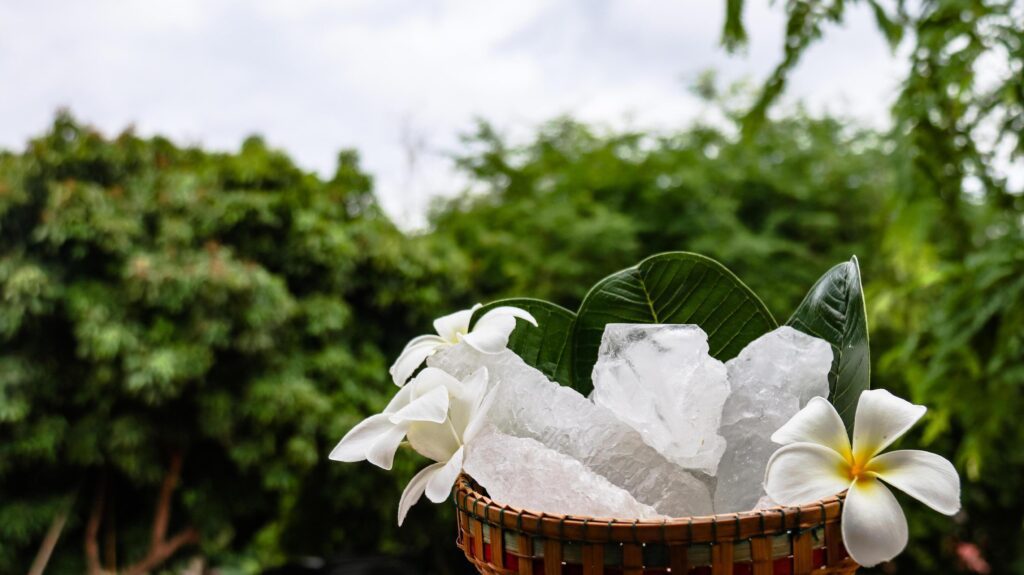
column 400, row 400
column 491, row 332
column 414, row 490
column 491, row 337
column 506, row 310
column 474, row 387
column 466, row 398
column 382, row 452
column 435, row 441
column 818, row 422
column 802, row 473
column 881, row 419
column 358, row 441
column 417, row 350
column 929, row 478
column 432, row 378
column 874, row 527
column 440, row 485
column 431, row 406
column 479, row 417
column 450, row 326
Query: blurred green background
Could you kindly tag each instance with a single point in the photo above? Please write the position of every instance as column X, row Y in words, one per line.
column 236, row 315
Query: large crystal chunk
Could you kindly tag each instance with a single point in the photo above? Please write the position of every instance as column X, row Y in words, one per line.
column 528, row 405
column 662, row 381
column 771, row 379
column 523, row 473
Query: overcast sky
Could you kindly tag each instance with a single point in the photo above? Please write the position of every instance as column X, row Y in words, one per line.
column 390, row 76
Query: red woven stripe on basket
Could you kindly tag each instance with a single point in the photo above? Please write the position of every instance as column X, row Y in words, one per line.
column 782, row 566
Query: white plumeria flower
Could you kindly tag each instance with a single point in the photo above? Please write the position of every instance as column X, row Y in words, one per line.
column 818, row 460
column 438, row 414
column 489, row 335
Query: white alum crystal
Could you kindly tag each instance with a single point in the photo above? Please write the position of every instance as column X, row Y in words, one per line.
column 668, row 424
column 771, row 379
column 523, row 473
column 529, row 406
column 765, row 502
column 662, row 382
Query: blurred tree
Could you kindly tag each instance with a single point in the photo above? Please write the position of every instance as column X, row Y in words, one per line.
column 185, row 336
column 962, row 93
column 551, row 217
column 947, row 303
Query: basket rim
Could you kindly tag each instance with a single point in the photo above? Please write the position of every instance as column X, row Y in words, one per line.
column 698, row 529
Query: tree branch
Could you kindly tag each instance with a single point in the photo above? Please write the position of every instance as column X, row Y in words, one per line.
column 162, row 514
column 110, row 532
column 50, row 540
column 163, row 552
column 92, row 527
column 161, row 548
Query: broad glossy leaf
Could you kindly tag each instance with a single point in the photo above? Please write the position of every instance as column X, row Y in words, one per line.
column 545, row 347
column 674, row 287
column 834, row 311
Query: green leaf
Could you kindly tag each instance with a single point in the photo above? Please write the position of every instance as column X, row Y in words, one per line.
column 734, row 35
column 674, row 287
column 834, row 311
column 891, row 28
column 545, row 347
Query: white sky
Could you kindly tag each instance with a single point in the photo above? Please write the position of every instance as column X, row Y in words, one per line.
column 387, row 76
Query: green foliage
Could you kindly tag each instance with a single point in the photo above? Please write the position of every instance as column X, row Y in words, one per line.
column 675, row 287
column 943, row 301
column 834, row 310
column 956, row 345
column 547, row 346
column 227, row 307
column 953, row 100
column 733, row 33
column 550, row 218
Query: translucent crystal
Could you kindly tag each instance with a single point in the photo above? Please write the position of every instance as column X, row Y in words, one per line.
column 530, row 406
column 523, row 473
column 662, row 381
column 765, row 502
column 771, row 379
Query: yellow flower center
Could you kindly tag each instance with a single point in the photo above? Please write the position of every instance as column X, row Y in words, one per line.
column 860, row 470
column 856, row 470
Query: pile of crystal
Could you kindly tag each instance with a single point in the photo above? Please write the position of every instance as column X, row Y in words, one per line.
column 548, row 448
column 713, row 419
column 661, row 381
column 669, row 430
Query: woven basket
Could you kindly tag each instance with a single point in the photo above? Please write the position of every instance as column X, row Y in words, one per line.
column 498, row 539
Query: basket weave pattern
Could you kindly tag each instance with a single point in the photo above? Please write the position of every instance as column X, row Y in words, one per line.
column 501, row 540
